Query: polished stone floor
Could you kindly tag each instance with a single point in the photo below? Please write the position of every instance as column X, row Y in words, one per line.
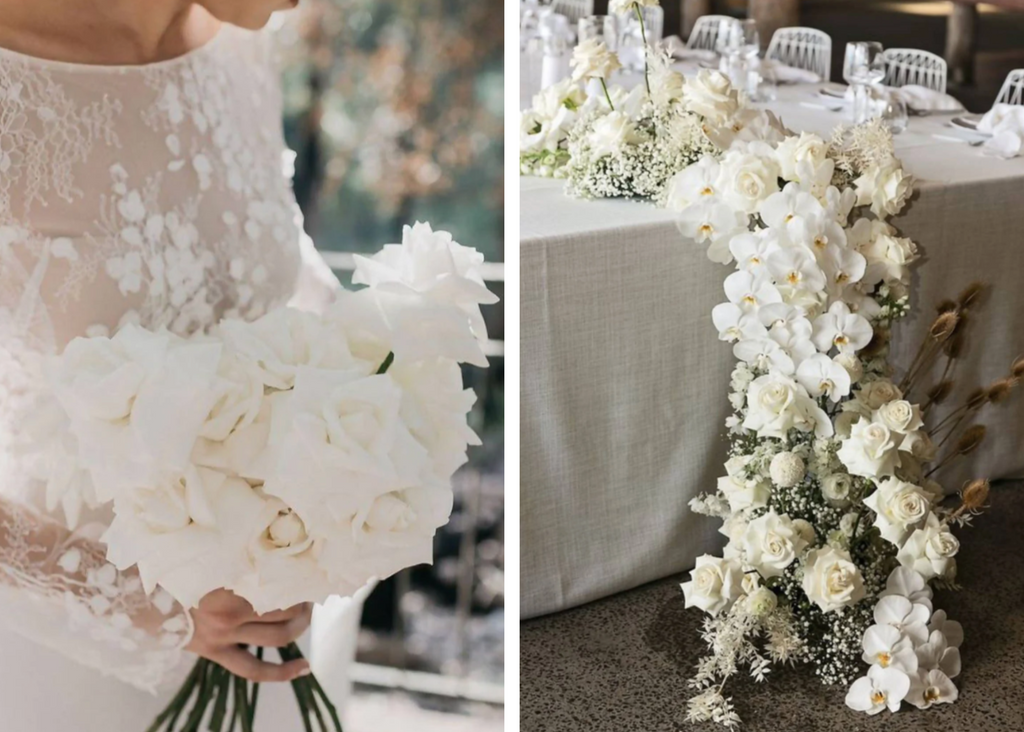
column 621, row 664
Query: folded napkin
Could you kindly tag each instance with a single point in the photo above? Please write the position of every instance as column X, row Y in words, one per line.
column 1005, row 122
column 918, row 98
column 785, row 74
column 677, row 49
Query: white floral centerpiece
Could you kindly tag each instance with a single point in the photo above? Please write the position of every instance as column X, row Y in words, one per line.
column 287, row 459
column 629, row 144
column 836, row 530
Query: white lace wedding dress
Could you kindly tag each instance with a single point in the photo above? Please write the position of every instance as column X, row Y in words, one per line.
column 157, row 194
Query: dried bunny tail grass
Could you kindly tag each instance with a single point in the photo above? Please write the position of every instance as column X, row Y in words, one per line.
column 977, row 398
column 999, row 391
column 954, row 347
column 946, row 306
column 975, row 494
column 969, row 441
column 970, row 295
column 940, row 392
column 944, row 326
column 1017, row 368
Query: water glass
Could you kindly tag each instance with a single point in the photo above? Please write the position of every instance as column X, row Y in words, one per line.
column 894, row 114
column 600, row 28
column 631, row 39
column 863, row 67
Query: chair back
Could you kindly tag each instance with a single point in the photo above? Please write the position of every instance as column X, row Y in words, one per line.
column 905, row 66
column 803, row 48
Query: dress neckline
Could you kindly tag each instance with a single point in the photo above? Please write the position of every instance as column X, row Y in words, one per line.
column 184, row 58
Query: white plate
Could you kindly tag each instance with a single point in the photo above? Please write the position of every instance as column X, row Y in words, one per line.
column 967, row 123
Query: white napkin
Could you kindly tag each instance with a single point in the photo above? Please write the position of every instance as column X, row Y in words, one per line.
column 677, row 49
column 784, row 74
column 1005, row 122
column 918, row 98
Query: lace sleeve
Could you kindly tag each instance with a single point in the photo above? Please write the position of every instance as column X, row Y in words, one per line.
column 57, row 588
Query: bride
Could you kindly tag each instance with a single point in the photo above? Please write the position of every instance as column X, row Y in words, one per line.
column 141, row 180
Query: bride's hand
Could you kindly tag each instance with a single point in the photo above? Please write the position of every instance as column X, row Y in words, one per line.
column 225, row 623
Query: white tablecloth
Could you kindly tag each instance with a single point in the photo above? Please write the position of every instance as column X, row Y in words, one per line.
column 624, row 382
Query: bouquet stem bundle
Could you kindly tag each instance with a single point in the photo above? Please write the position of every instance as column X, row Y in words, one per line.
column 211, row 690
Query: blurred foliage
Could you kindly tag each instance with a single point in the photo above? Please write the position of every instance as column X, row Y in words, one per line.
column 394, row 108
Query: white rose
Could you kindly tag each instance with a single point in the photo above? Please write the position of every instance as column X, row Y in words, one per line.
column 805, row 530
column 836, row 488
column 714, row 585
column 239, row 390
column 787, row 469
column 761, row 602
column 795, row 149
column 886, row 187
column 591, row 59
column 888, row 257
column 611, row 133
column 899, row 506
column 772, row 543
column 711, row 95
column 434, row 408
column 743, row 494
column 899, row 416
column 852, row 365
column 188, row 534
column 919, row 444
column 429, row 268
column 736, row 465
column 776, row 404
column 877, row 393
column 870, row 451
column 930, row 550
column 135, row 402
column 748, row 179
column 831, row 580
column 565, row 94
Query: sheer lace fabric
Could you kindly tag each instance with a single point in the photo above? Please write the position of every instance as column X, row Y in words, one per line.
column 156, row 194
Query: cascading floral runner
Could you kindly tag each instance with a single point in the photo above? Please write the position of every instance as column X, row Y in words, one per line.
column 837, row 532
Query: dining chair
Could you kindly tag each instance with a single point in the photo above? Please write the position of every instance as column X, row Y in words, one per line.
column 802, row 48
column 574, row 10
column 704, row 35
column 1013, row 88
column 911, row 66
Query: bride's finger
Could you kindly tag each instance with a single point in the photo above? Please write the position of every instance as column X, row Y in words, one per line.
column 242, row 663
column 271, row 634
column 282, row 616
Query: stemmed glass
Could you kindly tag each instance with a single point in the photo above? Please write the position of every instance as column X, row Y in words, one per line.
column 863, row 67
column 740, row 44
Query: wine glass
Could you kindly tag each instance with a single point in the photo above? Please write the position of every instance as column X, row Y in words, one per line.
column 600, row 28
column 894, row 114
column 863, row 67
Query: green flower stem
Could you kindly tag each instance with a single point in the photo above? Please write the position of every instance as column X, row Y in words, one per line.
column 222, row 684
column 607, row 95
column 643, row 36
column 391, row 356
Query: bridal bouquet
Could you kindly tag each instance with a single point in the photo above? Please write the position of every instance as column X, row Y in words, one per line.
column 612, row 143
column 836, row 529
column 287, row 459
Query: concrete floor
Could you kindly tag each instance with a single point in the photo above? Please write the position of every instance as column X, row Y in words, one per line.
column 621, row 664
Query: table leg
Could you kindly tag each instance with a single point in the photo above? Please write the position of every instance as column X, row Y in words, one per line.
column 961, row 42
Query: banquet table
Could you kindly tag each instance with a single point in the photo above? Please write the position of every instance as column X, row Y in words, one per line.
column 625, row 383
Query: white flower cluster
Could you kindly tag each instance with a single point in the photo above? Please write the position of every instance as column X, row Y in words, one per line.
column 544, row 129
column 290, row 458
column 914, row 652
column 825, row 489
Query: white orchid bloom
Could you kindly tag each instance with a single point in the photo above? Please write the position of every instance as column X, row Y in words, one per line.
column 789, row 212
column 750, row 292
column 938, row 654
column 889, row 648
column 752, row 249
column 697, row 183
column 951, row 629
column 822, row 376
column 734, row 324
column 713, row 223
column 908, row 617
column 907, row 583
column 843, row 267
column 881, row 688
column 839, row 327
column 796, row 269
column 764, row 354
column 794, row 336
column 931, row 687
